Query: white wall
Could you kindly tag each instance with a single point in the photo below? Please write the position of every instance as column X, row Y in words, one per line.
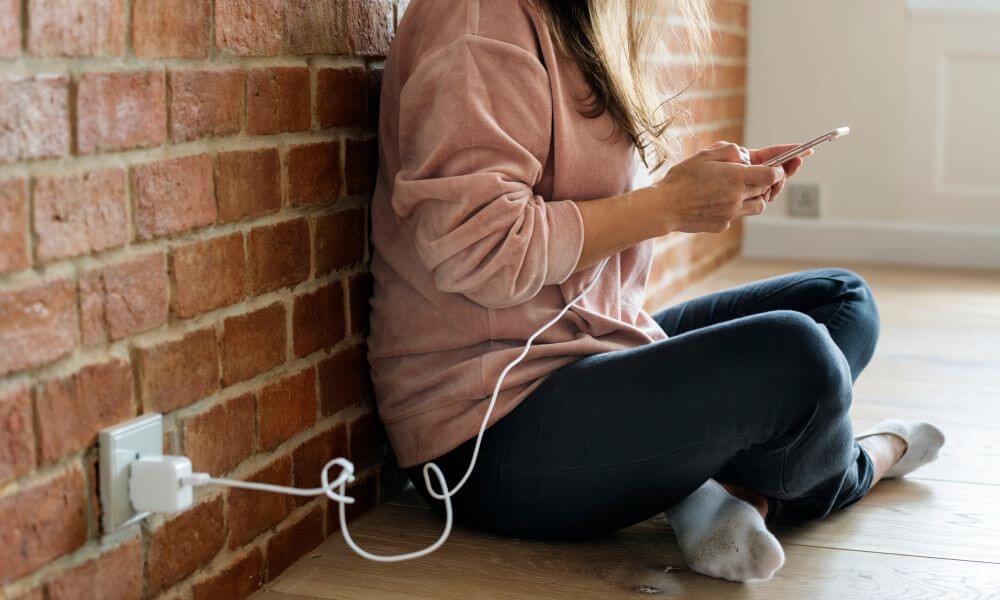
column 815, row 65
column 876, row 66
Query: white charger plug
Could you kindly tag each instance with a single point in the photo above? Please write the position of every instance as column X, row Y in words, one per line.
column 157, row 484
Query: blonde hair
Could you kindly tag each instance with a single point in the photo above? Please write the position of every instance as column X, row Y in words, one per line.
column 621, row 46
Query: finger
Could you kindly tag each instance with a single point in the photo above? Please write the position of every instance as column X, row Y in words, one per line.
column 727, row 152
column 762, row 155
column 752, row 207
column 754, row 191
column 762, row 176
column 776, row 190
column 792, row 167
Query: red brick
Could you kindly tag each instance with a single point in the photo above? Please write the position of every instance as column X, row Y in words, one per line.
column 318, row 319
column 34, row 117
column 17, row 437
column 286, row 407
column 120, row 110
column 312, row 455
column 730, row 44
column 38, row 324
column 73, row 28
column 314, row 27
column 339, row 240
column 247, row 183
column 219, row 438
column 252, row 513
column 293, row 541
column 117, row 574
column 14, row 225
column 360, row 290
column 205, row 103
column 375, row 74
column 10, row 28
column 342, row 97
column 313, row 173
column 208, row 274
column 249, row 27
column 175, row 374
column 364, row 490
column 729, row 12
column 181, row 545
column 170, row 28
column 366, row 440
column 278, row 100
column 124, row 298
column 253, row 343
column 344, row 380
column 238, row 579
column 42, row 521
column 77, row 214
column 279, row 255
column 170, row 444
column 728, row 77
column 173, row 195
column 72, row 410
column 92, row 469
column 369, row 26
column 361, row 166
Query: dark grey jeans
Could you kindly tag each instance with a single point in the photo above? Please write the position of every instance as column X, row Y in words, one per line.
column 753, row 386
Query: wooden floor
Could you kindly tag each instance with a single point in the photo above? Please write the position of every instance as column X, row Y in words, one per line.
column 935, row 535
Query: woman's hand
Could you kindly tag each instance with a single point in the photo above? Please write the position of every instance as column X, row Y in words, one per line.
column 708, row 191
column 762, row 155
column 704, row 193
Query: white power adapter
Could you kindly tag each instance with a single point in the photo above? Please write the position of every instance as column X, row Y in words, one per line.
column 157, row 484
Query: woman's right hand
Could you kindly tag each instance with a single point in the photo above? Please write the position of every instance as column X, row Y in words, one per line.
column 708, row 191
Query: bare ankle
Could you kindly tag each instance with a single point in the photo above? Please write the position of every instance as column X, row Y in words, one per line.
column 885, row 450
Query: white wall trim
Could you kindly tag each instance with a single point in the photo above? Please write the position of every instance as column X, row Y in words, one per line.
column 867, row 241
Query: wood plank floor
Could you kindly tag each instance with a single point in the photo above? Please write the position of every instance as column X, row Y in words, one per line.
column 935, row 535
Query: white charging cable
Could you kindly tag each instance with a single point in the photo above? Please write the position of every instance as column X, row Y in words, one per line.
column 336, row 490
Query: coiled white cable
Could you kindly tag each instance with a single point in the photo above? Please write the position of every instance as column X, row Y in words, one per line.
column 336, row 490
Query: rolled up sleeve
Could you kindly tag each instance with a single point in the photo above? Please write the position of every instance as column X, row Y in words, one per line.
column 474, row 134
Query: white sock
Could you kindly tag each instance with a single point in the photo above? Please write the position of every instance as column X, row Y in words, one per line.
column 724, row 537
column 923, row 441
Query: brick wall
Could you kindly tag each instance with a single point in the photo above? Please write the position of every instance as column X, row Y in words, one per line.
column 183, row 229
column 183, row 217
column 716, row 105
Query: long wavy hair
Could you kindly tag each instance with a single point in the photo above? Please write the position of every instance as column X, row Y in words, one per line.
column 621, row 47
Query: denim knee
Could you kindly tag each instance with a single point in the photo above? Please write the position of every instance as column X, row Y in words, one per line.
column 819, row 378
column 862, row 311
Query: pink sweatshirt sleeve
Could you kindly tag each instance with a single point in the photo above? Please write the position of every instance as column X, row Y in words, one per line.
column 474, row 134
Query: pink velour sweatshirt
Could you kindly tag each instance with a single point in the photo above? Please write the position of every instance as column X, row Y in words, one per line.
column 476, row 235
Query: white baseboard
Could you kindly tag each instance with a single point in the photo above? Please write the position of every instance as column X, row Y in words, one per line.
column 865, row 241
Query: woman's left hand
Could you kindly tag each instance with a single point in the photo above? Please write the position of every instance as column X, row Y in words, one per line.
column 762, row 155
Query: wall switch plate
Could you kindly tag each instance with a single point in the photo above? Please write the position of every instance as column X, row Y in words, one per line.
column 119, row 447
column 803, row 200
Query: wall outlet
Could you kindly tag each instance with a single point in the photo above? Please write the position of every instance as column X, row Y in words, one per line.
column 803, row 200
column 120, row 446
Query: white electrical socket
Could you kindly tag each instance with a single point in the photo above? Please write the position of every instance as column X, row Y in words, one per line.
column 803, row 200
column 120, row 446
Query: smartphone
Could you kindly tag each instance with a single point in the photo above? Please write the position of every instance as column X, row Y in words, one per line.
column 799, row 151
